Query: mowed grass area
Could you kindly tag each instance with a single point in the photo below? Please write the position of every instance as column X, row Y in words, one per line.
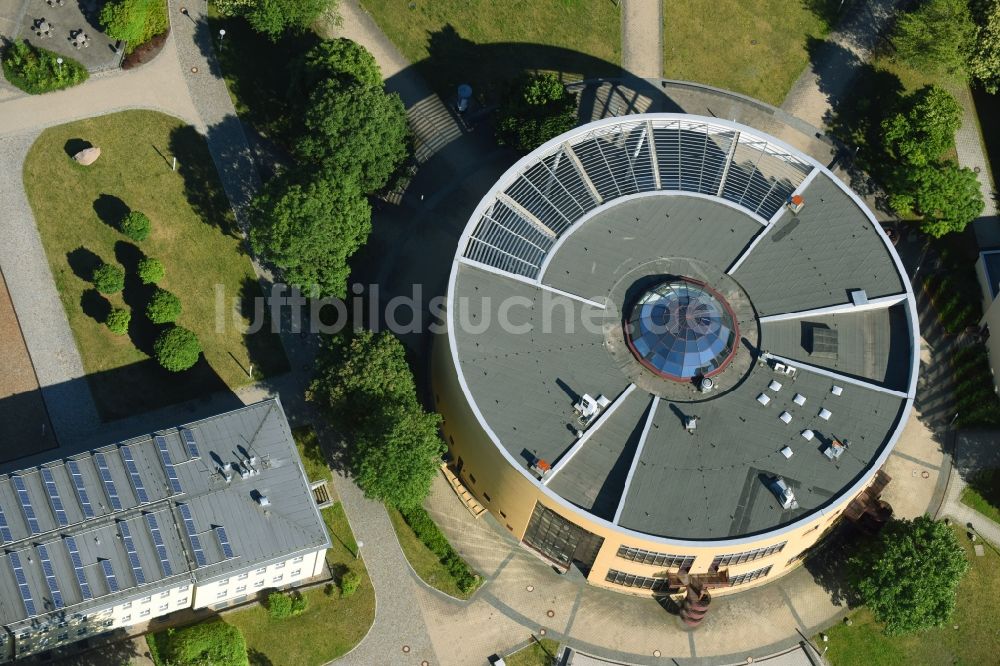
column 754, row 47
column 487, row 42
column 76, row 209
column 983, row 494
column 329, row 627
column 539, row 653
column 313, row 460
column 970, row 637
column 427, row 565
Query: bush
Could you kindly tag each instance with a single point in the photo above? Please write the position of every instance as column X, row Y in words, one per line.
column 136, row 226
column 349, row 583
column 177, row 349
column 134, row 21
column 281, row 605
column 538, row 109
column 35, row 70
column 150, row 270
column 118, row 321
column 213, row 642
column 109, row 278
column 937, row 35
column 431, row 536
column 164, row 307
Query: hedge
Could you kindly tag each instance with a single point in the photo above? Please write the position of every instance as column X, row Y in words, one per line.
column 35, row 70
column 431, row 536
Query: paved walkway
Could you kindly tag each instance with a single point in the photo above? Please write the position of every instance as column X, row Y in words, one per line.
column 642, row 38
column 975, row 450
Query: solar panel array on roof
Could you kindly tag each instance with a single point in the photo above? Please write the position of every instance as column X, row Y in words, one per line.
column 227, row 549
column 29, row 511
column 109, row 575
column 50, row 576
column 81, row 577
column 53, row 493
column 5, row 528
column 199, row 554
column 81, row 488
column 168, row 464
column 133, row 557
column 22, row 584
column 133, row 473
column 161, row 549
column 109, row 483
column 189, row 441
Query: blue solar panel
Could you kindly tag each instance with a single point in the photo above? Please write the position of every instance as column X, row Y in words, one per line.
column 227, row 549
column 133, row 557
column 133, row 472
column 50, row 576
column 168, row 464
column 192, row 446
column 161, row 549
column 199, row 554
column 22, row 584
column 81, row 577
column 29, row 511
column 53, row 492
column 81, row 489
column 109, row 574
column 5, row 528
column 109, row 483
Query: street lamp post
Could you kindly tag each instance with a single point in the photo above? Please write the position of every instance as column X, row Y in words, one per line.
column 59, row 61
column 222, row 34
column 357, row 551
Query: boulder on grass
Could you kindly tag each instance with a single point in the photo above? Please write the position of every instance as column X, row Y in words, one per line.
column 87, row 156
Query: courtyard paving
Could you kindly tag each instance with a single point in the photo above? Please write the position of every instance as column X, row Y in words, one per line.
column 19, row 19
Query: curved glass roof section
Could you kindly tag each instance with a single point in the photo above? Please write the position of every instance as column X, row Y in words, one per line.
column 681, row 329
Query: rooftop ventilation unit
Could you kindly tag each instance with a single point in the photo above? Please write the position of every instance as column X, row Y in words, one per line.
column 795, row 203
column 706, row 384
column 589, row 407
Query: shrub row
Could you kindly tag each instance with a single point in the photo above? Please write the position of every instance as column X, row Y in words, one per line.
column 431, row 536
column 35, row 70
column 281, row 605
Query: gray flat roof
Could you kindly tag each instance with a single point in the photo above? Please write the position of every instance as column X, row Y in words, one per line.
column 290, row 524
column 797, row 270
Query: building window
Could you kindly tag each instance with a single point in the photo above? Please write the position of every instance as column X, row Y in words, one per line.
column 63, row 637
column 279, row 565
column 127, row 618
column 632, row 580
column 261, row 570
column 164, row 595
column 241, row 588
column 472, row 477
column 749, row 576
column 259, row 583
column 295, row 573
column 164, row 607
column 144, row 613
column 298, row 559
column 503, row 515
column 730, row 559
column 224, row 581
column 109, row 623
column 182, row 602
column 278, row 579
column 243, row 576
column 641, row 556
column 82, row 631
column 183, row 588
column 146, row 600
column 221, row 594
column 127, row 604
column 486, row 496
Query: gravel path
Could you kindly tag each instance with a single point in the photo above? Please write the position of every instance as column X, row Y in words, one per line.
column 642, row 38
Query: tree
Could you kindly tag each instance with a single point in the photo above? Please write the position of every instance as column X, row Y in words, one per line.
column 310, row 231
column 356, row 133
column 213, row 642
column 923, row 128
column 936, row 36
column 908, row 575
column 984, row 61
column 163, row 308
column 363, row 380
column 177, row 349
column 342, row 60
column 109, row 278
column 281, row 605
column 947, row 196
column 151, row 270
column 118, row 321
column 349, row 582
column 538, row 109
column 136, row 226
column 275, row 17
column 134, row 21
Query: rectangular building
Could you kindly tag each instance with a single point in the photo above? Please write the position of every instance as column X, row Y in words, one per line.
column 203, row 515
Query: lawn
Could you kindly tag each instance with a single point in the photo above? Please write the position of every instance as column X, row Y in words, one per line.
column 427, row 565
column 76, row 210
column 970, row 637
column 486, row 42
column 329, row 627
column 539, row 653
column 755, row 47
column 983, row 494
column 311, row 454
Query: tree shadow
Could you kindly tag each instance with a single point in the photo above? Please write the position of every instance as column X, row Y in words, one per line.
column 830, row 11
column 827, row 562
column 111, row 210
column 258, row 658
column 73, row 146
column 83, row 263
column 95, row 305
column 128, row 255
column 263, row 343
column 196, row 167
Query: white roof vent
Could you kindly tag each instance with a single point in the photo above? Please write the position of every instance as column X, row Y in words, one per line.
column 859, row 297
column 799, row 399
column 774, row 385
column 787, row 452
column 763, row 399
column 786, row 417
column 836, row 390
column 825, row 414
column 808, row 435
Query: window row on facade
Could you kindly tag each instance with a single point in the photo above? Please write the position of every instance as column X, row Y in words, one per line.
column 683, row 562
column 746, row 556
column 749, row 576
column 632, row 580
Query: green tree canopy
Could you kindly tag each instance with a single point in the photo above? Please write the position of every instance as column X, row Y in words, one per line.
column 342, row 60
column 355, row 133
column 177, row 349
column 134, row 21
column 310, row 231
column 109, row 278
column 984, row 61
column 364, row 382
column 275, row 17
column 923, row 128
column 151, row 270
column 947, row 196
column 909, row 573
column 164, row 307
column 937, row 35
column 538, row 109
column 213, row 642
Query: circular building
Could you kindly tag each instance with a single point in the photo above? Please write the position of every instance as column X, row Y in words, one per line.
column 677, row 351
